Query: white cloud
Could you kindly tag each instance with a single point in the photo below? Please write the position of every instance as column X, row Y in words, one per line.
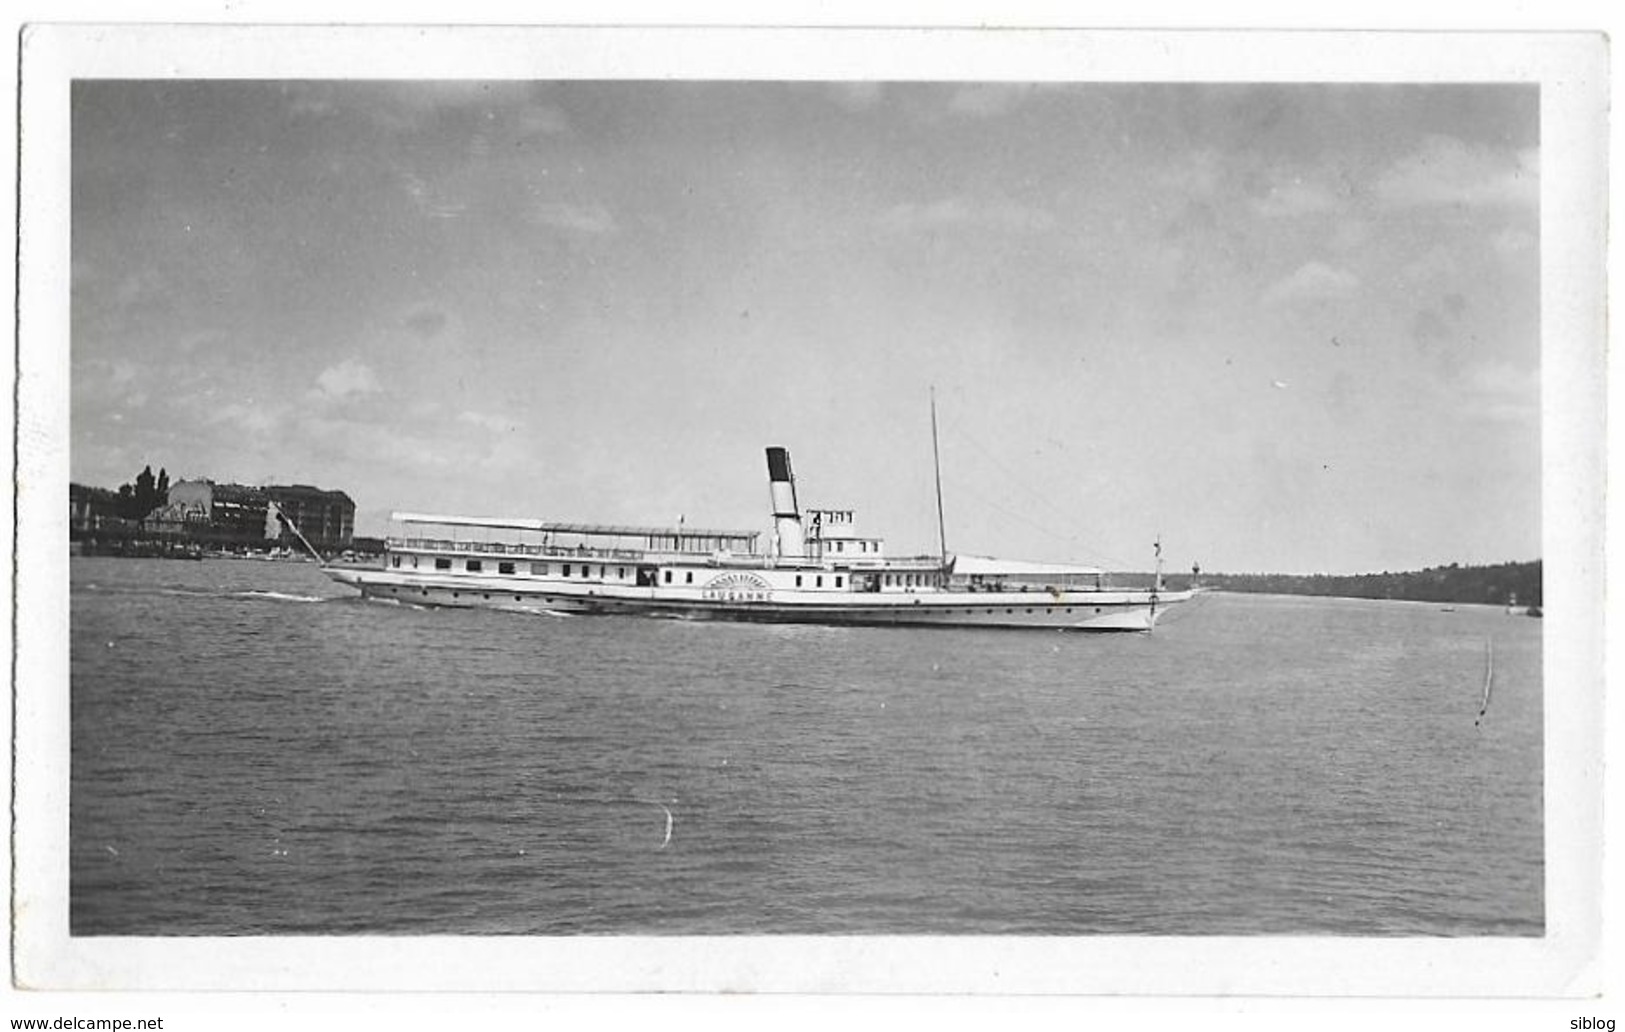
column 495, row 424
column 1196, row 174
column 1447, row 171
column 1502, row 392
column 350, row 377
column 855, row 96
column 1350, row 234
column 581, row 219
column 1512, row 242
column 1310, row 282
column 428, row 199
column 985, row 100
column 951, row 212
column 255, row 419
column 1296, row 197
column 543, row 120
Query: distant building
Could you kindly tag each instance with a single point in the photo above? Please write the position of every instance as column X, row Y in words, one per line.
column 221, row 514
column 91, row 508
column 232, row 516
column 326, row 518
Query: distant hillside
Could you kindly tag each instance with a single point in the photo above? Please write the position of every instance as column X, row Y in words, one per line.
column 1488, row 585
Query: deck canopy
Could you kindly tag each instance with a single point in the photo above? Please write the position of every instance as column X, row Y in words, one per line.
column 1014, row 569
column 680, row 537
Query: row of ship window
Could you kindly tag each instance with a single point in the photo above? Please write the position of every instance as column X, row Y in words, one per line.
column 536, row 569
column 912, row 580
column 863, row 546
column 898, row 580
column 568, row 570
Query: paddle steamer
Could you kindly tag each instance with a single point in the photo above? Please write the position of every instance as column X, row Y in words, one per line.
column 817, row 568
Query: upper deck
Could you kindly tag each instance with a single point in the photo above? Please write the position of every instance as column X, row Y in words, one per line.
column 625, row 542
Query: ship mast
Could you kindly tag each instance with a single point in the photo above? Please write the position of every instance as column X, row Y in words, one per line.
column 936, row 465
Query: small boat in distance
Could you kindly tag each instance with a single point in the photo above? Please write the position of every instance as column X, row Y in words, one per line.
column 819, row 569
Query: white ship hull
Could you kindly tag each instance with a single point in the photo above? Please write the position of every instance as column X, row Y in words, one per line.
column 1105, row 610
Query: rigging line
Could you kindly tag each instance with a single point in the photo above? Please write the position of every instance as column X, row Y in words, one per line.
column 936, row 466
column 1046, row 531
column 285, row 518
column 1071, row 540
column 1018, row 482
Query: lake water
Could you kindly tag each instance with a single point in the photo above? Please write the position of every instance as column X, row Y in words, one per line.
column 257, row 751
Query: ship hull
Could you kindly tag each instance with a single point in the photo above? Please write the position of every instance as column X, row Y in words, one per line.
column 1105, row 610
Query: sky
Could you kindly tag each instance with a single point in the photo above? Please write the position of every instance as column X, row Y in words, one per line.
column 1288, row 328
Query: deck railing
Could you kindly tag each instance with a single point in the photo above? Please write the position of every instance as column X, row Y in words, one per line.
column 540, row 551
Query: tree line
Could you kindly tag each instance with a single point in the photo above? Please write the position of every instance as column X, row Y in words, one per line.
column 1498, row 584
column 148, row 492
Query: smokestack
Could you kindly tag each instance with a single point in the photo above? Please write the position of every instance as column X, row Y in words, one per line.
column 786, row 515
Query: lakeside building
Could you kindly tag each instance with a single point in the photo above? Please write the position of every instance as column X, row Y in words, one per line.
column 327, row 518
column 218, row 514
column 227, row 515
column 93, row 508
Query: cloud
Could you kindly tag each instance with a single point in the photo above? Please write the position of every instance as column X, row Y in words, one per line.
column 426, row 323
column 1511, row 242
column 1501, row 392
column 1311, row 282
column 347, row 379
column 854, row 96
column 542, row 120
column 255, row 419
column 577, row 219
column 956, row 212
column 1350, row 234
column 1197, row 173
column 987, row 99
column 308, row 100
column 495, row 424
column 1294, row 198
column 1446, row 171
column 428, row 200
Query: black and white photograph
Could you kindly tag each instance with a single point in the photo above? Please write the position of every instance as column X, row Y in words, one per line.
column 766, row 511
